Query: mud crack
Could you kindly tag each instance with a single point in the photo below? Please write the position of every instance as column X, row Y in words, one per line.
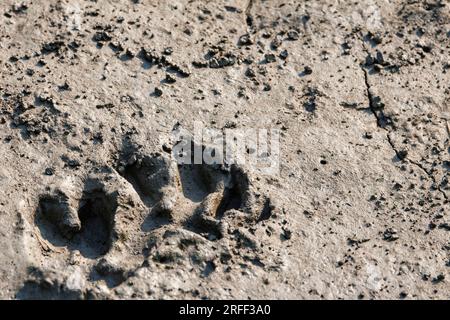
column 375, row 104
column 376, row 107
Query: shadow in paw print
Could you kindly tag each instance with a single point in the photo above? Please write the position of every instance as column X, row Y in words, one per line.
column 138, row 176
column 195, row 181
column 199, row 180
column 91, row 234
column 154, row 220
column 266, row 212
column 232, row 199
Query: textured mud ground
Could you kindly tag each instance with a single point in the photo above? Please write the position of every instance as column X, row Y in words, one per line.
column 93, row 206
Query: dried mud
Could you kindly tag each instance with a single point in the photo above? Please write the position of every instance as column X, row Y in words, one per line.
column 93, row 205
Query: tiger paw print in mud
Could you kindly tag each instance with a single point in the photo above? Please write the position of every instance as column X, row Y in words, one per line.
column 195, row 197
column 200, row 214
column 150, row 210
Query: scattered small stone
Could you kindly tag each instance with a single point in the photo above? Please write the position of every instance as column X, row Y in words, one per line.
column 427, row 48
column 308, row 214
column 232, row 9
column 270, row 57
column 375, row 38
column 166, row 148
column 101, row 36
column 402, row 154
column 445, row 226
column 377, row 61
column 283, row 54
column 355, row 242
column 241, row 93
column 390, row 234
column 168, row 51
column 129, row 54
column 439, row 278
column 230, row 125
column 52, row 47
column 105, row 106
column 170, row 79
column 293, row 35
column 276, row 43
column 262, row 70
column 49, row 171
column 245, row 40
column 248, row 60
column 188, row 31
column 73, row 163
column 311, row 93
column 250, row 73
column 20, row 8
column 287, row 234
column 307, row 70
column 158, row 92
column 397, row 186
column 199, row 64
column 350, row 105
column 426, row 277
column 222, row 62
column 64, row 87
column 346, row 46
column 376, row 103
column 116, row 46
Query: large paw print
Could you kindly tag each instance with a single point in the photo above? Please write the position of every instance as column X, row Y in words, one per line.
column 86, row 217
column 196, row 197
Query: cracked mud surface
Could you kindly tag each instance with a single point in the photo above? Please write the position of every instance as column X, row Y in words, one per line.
column 93, row 205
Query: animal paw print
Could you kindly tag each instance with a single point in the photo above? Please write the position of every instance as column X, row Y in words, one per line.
column 85, row 217
column 200, row 215
column 196, row 197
